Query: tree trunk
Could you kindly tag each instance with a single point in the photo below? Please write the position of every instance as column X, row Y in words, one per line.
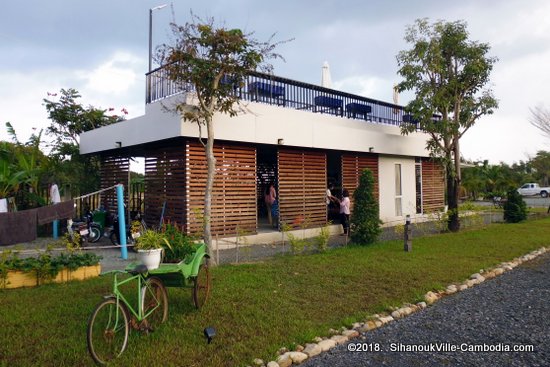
column 453, row 189
column 211, row 164
column 453, row 223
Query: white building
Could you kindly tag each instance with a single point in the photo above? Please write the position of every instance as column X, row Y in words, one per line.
column 297, row 135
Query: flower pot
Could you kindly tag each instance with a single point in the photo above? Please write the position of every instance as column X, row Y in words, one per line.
column 150, row 258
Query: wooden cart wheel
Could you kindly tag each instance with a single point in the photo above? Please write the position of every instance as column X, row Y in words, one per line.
column 201, row 288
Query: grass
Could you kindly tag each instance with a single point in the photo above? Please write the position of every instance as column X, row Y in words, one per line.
column 258, row 308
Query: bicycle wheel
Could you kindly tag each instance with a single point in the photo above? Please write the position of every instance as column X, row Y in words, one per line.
column 107, row 333
column 154, row 300
column 201, row 288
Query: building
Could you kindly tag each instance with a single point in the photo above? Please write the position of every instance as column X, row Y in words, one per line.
column 297, row 135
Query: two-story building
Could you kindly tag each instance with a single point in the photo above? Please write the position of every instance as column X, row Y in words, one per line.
column 297, row 135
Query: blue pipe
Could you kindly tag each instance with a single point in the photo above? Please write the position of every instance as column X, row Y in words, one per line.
column 121, row 221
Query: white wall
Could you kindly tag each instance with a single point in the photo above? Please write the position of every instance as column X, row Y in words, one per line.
column 386, row 177
column 260, row 123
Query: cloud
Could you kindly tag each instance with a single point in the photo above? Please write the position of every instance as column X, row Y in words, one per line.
column 115, row 82
column 117, row 75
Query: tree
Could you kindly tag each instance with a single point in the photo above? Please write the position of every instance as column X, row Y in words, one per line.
column 447, row 72
column 21, row 168
column 541, row 164
column 515, row 209
column 209, row 62
column 365, row 218
column 69, row 118
column 540, row 118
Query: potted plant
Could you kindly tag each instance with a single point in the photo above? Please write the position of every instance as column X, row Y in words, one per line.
column 149, row 246
column 178, row 245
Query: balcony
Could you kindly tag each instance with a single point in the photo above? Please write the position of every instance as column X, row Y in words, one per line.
column 287, row 93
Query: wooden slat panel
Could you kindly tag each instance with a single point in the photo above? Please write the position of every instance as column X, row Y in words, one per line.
column 165, row 183
column 234, row 192
column 433, row 186
column 302, row 186
column 352, row 167
column 114, row 170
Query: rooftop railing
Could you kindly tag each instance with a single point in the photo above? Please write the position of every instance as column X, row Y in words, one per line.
column 287, row 93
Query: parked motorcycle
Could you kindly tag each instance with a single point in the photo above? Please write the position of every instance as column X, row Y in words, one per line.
column 88, row 230
column 114, row 235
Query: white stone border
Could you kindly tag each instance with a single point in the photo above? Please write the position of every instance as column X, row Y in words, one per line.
column 288, row 358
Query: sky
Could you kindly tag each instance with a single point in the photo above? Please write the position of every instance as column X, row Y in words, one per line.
column 100, row 48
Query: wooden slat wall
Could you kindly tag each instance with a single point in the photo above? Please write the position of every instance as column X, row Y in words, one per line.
column 352, row 167
column 234, row 194
column 114, row 170
column 302, row 187
column 165, row 183
column 433, row 186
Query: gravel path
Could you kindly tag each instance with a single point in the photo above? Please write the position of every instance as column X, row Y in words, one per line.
column 511, row 309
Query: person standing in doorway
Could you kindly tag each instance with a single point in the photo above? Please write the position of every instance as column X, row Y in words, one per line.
column 345, row 211
column 330, row 199
column 270, row 196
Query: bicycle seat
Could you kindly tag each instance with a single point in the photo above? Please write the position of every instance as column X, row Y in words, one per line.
column 139, row 269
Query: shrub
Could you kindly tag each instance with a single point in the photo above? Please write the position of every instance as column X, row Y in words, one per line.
column 297, row 244
column 365, row 217
column 515, row 209
column 323, row 237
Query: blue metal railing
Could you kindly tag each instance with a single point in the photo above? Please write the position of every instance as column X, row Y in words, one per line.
column 287, row 93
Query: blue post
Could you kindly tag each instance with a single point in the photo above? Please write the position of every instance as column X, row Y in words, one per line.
column 121, row 221
column 55, row 226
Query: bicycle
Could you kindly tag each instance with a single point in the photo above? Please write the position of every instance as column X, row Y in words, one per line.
column 109, row 323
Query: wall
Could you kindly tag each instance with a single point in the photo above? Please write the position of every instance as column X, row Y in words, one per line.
column 260, row 123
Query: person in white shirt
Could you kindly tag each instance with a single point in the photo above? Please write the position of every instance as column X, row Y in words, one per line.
column 330, row 199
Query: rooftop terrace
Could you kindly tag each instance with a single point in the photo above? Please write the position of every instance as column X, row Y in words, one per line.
column 288, row 93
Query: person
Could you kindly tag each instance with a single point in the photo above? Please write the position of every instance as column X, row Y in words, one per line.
column 270, row 197
column 330, row 199
column 344, row 211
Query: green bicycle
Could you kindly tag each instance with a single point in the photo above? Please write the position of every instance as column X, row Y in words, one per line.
column 110, row 322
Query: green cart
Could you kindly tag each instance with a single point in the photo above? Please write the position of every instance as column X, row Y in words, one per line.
column 190, row 272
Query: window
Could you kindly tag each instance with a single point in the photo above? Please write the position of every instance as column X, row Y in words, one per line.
column 398, row 191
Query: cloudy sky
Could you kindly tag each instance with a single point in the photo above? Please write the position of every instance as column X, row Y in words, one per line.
column 100, row 48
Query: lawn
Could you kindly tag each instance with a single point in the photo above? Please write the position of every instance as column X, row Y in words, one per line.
column 258, row 308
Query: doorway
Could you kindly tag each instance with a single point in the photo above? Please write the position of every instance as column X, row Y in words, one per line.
column 266, row 174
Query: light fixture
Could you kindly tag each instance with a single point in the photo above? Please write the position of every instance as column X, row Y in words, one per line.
column 118, row 144
column 209, row 333
column 151, row 33
column 281, row 141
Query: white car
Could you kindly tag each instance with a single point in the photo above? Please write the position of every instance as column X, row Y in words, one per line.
column 531, row 189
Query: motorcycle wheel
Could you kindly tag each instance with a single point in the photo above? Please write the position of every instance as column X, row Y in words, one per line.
column 95, row 234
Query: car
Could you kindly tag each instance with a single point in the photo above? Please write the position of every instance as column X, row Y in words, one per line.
column 532, row 189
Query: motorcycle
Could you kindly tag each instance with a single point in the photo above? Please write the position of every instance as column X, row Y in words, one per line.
column 131, row 237
column 85, row 227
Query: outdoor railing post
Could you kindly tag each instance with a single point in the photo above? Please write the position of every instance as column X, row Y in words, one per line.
column 121, row 221
column 408, row 234
column 55, row 229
